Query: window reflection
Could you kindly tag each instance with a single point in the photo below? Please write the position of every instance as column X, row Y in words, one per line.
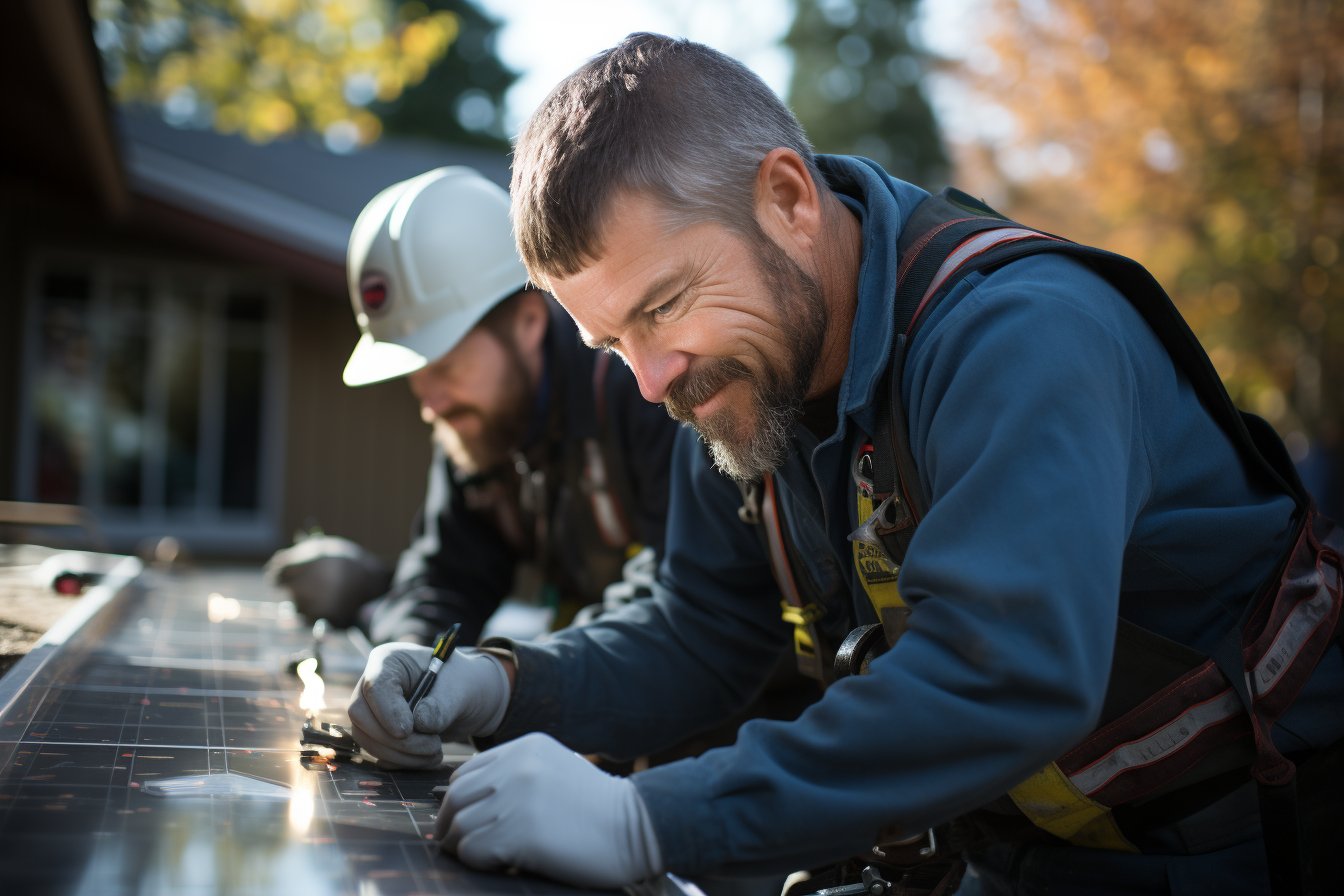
column 123, row 432
column 147, row 392
column 62, row 403
column 180, row 329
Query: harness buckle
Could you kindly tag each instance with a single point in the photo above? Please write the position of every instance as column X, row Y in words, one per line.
column 804, row 615
column 911, row 850
column 888, row 516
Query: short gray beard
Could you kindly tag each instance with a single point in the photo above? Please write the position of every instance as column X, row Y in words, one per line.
column 765, row 448
column 777, row 396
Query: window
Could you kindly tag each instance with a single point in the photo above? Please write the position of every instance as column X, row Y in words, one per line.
column 151, row 397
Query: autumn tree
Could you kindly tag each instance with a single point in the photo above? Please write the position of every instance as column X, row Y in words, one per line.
column 1206, row 141
column 461, row 99
column 857, row 85
column 268, row 68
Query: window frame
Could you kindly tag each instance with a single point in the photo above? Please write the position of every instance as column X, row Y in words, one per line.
column 205, row 525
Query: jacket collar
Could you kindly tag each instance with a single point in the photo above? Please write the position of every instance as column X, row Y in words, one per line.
column 882, row 204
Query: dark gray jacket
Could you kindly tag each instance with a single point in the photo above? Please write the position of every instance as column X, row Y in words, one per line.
column 471, row 536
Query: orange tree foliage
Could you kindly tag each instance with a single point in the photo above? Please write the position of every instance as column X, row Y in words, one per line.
column 268, row 68
column 1205, row 140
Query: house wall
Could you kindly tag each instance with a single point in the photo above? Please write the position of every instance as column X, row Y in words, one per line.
column 352, row 461
column 355, row 459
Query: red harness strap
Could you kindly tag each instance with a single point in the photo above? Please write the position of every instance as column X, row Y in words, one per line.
column 1171, row 732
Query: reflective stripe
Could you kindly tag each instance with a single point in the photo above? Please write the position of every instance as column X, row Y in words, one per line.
column 1294, row 632
column 1160, row 744
column 976, row 245
column 1181, row 731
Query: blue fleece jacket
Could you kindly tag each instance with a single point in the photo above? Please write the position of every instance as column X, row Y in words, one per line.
column 1067, row 461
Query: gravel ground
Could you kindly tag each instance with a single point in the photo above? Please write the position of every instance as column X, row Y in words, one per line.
column 27, row 607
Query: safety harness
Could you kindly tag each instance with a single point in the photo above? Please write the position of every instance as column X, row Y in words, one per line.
column 604, row 492
column 593, row 546
column 1178, row 728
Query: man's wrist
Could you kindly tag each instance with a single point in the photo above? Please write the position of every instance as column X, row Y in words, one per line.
column 506, row 659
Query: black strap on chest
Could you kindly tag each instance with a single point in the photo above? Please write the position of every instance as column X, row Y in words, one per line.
column 951, row 236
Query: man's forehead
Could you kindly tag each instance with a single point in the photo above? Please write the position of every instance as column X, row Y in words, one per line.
column 628, row 256
column 583, row 304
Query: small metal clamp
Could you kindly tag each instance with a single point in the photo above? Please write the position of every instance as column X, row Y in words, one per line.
column 871, row 883
column 333, row 737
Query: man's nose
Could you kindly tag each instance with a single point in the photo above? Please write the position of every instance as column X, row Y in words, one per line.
column 655, row 370
column 435, row 400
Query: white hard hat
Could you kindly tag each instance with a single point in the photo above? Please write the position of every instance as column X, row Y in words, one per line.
column 428, row 257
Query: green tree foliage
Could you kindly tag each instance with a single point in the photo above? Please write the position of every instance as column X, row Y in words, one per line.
column 1206, row 141
column 269, row 68
column 461, row 99
column 857, row 85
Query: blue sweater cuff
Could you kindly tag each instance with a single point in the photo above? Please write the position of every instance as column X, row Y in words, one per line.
column 690, row 833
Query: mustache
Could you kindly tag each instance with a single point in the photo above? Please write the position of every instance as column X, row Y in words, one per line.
column 695, row 387
column 452, row 418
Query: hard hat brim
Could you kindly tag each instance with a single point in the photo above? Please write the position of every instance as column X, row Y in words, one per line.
column 375, row 362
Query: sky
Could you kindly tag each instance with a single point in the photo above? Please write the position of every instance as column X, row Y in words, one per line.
column 545, row 40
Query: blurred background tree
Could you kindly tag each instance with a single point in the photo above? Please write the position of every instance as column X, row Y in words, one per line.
column 344, row 69
column 1206, row 141
column 461, row 99
column 857, row 85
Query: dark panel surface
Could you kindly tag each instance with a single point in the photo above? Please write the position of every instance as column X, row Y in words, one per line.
column 154, row 749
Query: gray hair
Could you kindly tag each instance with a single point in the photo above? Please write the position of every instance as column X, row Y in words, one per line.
column 674, row 119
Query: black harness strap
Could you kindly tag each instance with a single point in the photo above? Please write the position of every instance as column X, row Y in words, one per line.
column 946, row 222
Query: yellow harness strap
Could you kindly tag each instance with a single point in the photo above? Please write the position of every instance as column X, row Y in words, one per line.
column 877, row 572
column 1054, row 805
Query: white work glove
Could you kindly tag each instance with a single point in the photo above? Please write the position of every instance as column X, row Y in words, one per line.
column 468, row 699
column 536, row 805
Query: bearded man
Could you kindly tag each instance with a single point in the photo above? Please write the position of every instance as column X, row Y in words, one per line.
column 549, row 471
column 1088, row 621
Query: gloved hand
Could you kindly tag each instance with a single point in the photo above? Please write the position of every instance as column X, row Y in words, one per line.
column 468, row 699
column 328, row 577
column 536, row 805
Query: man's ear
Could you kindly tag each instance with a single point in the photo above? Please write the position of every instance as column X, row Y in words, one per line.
column 788, row 204
column 530, row 321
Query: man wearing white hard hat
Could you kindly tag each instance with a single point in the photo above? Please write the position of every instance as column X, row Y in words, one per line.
column 546, row 458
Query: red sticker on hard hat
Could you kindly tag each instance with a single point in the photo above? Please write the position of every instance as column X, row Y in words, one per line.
column 373, row 292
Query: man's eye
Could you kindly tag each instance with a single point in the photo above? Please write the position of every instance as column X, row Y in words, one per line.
column 665, row 309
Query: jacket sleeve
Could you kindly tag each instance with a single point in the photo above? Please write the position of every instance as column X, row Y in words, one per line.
column 457, row 568
column 658, row 670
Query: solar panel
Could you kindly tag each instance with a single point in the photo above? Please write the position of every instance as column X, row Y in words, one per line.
column 150, row 744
